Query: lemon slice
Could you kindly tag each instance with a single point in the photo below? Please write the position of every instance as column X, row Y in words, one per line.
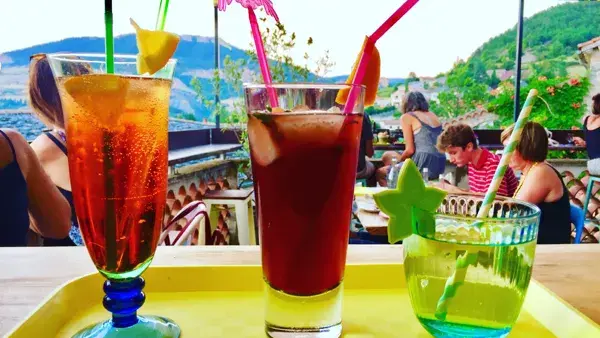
column 370, row 80
column 155, row 48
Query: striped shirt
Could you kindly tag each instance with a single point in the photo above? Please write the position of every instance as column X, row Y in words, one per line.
column 482, row 173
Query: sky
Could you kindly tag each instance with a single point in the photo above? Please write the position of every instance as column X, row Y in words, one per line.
column 428, row 40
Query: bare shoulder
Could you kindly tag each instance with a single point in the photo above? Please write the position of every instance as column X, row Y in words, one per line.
column 434, row 118
column 544, row 173
column 22, row 148
column 43, row 147
column 18, row 141
column 593, row 121
column 407, row 118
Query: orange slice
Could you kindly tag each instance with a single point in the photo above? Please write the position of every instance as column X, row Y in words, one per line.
column 370, row 80
column 155, row 48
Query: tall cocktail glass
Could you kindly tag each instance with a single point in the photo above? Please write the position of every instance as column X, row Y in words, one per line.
column 489, row 301
column 304, row 156
column 116, row 127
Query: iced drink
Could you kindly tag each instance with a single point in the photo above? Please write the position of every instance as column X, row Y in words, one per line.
column 304, row 167
column 489, row 301
column 117, row 144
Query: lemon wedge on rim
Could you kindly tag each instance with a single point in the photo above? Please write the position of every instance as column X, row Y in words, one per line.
column 155, row 48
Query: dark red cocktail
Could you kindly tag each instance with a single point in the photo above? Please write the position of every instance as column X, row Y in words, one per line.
column 304, row 167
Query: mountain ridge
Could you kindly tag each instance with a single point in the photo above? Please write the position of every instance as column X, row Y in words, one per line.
column 195, row 55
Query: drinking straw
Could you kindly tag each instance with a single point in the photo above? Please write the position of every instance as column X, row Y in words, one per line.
column 466, row 259
column 262, row 58
column 507, row 153
column 364, row 59
column 162, row 15
column 108, row 37
column 110, row 232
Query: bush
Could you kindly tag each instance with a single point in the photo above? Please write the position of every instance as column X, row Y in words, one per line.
column 560, row 104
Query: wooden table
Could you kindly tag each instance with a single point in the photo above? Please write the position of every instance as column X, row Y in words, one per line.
column 375, row 224
column 28, row 275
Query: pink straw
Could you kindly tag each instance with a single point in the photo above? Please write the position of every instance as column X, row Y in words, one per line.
column 262, row 58
column 364, row 59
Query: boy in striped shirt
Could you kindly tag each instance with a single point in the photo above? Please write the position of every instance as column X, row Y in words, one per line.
column 459, row 141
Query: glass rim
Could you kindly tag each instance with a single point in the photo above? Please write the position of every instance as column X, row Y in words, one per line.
column 536, row 212
column 98, row 58
column 302, row 85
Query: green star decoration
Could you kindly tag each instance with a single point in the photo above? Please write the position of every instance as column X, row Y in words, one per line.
column 410, row 205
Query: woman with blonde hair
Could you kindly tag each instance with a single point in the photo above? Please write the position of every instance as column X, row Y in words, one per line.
column 50, row 146
column 541, row 184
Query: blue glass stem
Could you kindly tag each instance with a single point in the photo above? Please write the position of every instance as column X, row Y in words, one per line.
column 123, row 299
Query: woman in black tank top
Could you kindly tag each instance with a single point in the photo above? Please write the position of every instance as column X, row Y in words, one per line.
column 50, row 146
column 26, row 191
column 541, row 184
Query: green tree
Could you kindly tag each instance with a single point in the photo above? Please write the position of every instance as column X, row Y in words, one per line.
column 494, row 81
column 508, row 64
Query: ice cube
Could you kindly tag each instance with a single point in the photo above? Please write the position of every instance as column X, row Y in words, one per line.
column 262, row 145
column 334, row 110
column 318, row 128
column 300, row 108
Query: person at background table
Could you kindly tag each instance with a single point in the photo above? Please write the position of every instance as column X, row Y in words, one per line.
column 591, row 131
column 541, row 184
column 460, row 143
column 421, row 129
column 50, row 147
column 26, row 189
column 365, row 169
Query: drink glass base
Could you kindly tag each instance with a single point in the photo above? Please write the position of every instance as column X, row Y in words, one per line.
column 147, row 327
column 450, row 330
column 316, row 316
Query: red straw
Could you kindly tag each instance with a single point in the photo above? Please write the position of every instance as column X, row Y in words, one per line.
column 364, row 59
column 262, row 58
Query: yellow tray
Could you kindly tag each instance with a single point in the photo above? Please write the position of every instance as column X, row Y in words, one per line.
column 226, row 301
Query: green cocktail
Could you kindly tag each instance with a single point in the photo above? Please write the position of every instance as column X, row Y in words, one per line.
column 502, row 251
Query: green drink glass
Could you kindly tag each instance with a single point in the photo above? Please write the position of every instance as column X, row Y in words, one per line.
column 488, row 302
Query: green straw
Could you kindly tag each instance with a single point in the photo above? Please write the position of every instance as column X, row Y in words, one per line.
column 161, row 19
column 469, row 258
column 108, row 39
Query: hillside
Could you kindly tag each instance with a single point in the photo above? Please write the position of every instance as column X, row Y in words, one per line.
column 550, row 65
column 550, row 34
column 195, row 56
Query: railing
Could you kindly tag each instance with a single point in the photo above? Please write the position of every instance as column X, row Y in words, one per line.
column 490, row 139
column 189, row 145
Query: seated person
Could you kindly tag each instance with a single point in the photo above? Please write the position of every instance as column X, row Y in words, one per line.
column 27, row 191
column 591, row 130
column 365, row 169
column 50, row 147
column 460, row 143
column 541, row 184
column 421, row 129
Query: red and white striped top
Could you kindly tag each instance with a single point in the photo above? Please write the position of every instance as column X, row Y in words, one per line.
column 482, row 173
